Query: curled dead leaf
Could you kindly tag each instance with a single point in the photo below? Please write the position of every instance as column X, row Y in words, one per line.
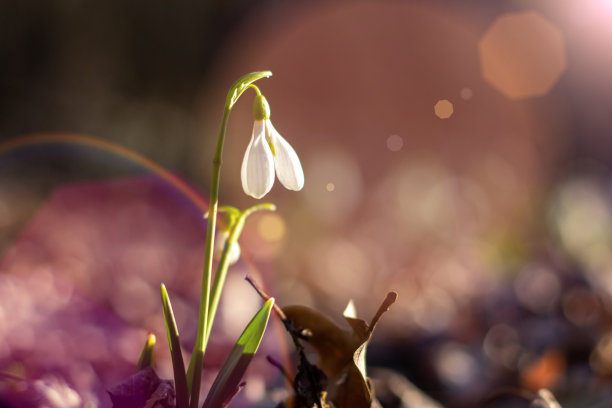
column 341, row 352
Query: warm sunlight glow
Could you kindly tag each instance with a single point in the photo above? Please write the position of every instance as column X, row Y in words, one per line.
column 271, row 227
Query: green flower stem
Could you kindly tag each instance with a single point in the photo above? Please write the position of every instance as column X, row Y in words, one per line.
column 222, row 273
column 197, row 358
column 236, row 230
column 194, row 373
column 255, row 88
column 259, row 207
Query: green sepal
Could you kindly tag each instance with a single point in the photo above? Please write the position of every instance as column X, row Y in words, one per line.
column 228, row 380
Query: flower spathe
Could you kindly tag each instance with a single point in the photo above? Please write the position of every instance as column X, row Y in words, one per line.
column 268, row 152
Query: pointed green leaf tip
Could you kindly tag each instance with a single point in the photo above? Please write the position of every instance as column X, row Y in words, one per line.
column 251, row 337
column 228, row 380
column 178, row 366
column 242, row 84
column 146, row 356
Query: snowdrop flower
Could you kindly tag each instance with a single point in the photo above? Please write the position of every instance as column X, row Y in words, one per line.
column 268, row 151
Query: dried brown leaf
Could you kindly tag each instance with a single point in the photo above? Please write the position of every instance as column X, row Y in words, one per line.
column 341, row 352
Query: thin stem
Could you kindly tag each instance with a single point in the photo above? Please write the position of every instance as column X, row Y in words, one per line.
column 221, row 273
column 255, row 88
column 259, row 207
column 195, row 366
column 265, row 297
column 223, row 265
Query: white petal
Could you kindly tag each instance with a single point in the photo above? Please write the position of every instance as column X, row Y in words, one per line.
column 258, row 165
column 234, row 251
column 288, row 168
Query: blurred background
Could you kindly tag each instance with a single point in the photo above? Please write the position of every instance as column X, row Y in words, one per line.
column 457, row 152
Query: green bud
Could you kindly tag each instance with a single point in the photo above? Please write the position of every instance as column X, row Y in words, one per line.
column 261, row 109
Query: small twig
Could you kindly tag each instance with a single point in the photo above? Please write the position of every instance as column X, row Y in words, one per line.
column 265, row 297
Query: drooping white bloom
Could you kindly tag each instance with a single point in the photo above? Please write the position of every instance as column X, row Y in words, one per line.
column 266, row 153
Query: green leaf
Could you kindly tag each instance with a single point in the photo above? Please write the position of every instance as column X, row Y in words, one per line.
column 180, row 381
column 146, row 356
column 242, row 84
column 227, row 382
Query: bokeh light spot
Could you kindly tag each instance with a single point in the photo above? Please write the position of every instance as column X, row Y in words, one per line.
column 443, row 109
column 581, row 306
column 545, row 371
column 501, row 345
column 522, row 55
column 455, row 365
column 271, row 227
column 330, row 187
column 466, row 93
column 395, row 143
column 537, row 288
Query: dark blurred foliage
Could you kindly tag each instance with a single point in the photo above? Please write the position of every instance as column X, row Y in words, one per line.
column 513, row 339
column 124, row 71
column 138, row 49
